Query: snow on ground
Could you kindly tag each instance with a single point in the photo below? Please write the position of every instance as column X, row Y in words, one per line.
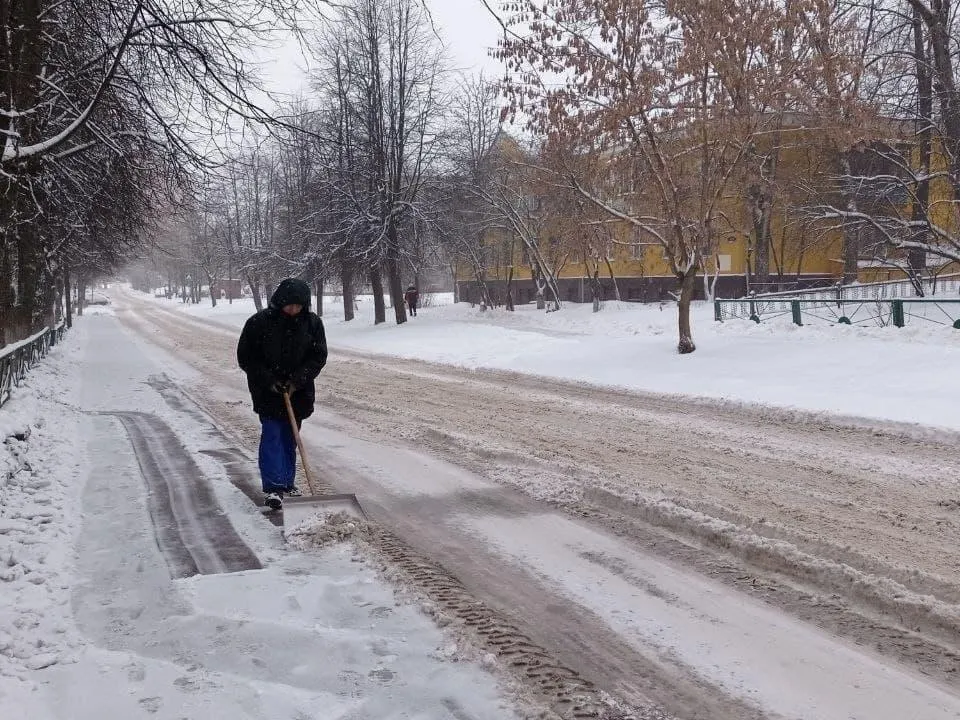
column 92, row 625
column 41, row 463
column 788, row 668
column 850, row 370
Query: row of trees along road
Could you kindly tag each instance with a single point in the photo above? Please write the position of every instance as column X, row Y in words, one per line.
column 385, row 170
column 107, row 114
column 391, row 165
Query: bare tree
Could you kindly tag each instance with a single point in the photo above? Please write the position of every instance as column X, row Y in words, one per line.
column 125, row 93
column 673, row 92
column 380, row 69
column 464, row 222
column 906, row 174
column 516, row 202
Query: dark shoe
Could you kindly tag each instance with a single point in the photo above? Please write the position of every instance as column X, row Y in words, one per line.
column 273, row 500
column 293, row 492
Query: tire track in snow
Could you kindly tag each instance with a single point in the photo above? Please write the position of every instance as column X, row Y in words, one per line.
column 569, row 694
column 236, row 463
column 194, row 534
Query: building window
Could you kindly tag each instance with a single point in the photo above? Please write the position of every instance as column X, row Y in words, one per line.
column 637, row 238
column 724, row 263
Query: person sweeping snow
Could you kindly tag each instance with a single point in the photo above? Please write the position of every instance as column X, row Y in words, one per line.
column 282, row 349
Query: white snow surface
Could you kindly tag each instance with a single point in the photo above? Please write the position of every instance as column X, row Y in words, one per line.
column 40, row 481
column 768, row 658
column 182, row 661
column 93, row 627
column 906, row 374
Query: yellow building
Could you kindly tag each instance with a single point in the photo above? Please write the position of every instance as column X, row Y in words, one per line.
column 804, row 250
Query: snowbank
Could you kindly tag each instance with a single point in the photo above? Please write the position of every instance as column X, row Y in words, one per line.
column 39, row 492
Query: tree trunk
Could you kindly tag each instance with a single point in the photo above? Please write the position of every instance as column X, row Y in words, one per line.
column 921, row 204
column 939, row 22
column 379, row 308
column 687, row 285
column 318, row 291
column 6, row 290
column 81, row 294
column 851, row 252
column 613, row 279
column 509, row 297
column 255, row 291
column 56, row 311
column 851, row 235
column 710, row 284
column 596, row 289
column 346, row 284
column 68, row 295
column 456, row 285
column 269, row 285
column 759, row 202
column 396, row 290
column 485, row 300
column 539, row 284
column 30, row 274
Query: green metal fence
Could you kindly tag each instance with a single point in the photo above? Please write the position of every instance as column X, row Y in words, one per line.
column 18, row 358
column 843, row 311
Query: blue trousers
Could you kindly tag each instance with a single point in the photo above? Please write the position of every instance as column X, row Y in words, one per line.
column 278, row 455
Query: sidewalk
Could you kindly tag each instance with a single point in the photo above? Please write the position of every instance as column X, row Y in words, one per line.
column 124, row 628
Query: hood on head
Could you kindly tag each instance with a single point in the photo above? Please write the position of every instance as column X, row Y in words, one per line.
column 291, row 292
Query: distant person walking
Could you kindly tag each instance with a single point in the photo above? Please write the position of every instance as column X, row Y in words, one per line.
column 412, row 295
column 282, row 349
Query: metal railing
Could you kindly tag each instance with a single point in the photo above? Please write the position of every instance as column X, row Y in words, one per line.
column 897, row 311
column 887, row 289
column 17, row 359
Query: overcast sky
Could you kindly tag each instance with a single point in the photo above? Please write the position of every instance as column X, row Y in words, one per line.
column 466, row 27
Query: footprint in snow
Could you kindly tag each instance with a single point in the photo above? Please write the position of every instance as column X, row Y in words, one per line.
column 382, row 674
column 136, row 672
column 151, row 704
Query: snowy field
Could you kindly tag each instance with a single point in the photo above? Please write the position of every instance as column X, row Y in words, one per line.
column 906, row 374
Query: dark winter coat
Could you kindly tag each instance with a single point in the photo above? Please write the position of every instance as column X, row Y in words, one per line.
column 275, row 347
column 411, row 296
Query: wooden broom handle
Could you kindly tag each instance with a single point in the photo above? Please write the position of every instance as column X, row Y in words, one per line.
column 296, row 436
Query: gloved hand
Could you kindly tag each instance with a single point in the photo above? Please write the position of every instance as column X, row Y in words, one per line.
column 280, row 387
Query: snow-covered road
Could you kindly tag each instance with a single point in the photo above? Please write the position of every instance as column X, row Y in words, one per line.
column 720, row 562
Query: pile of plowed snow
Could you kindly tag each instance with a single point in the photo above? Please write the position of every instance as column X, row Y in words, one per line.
column 327, row 528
